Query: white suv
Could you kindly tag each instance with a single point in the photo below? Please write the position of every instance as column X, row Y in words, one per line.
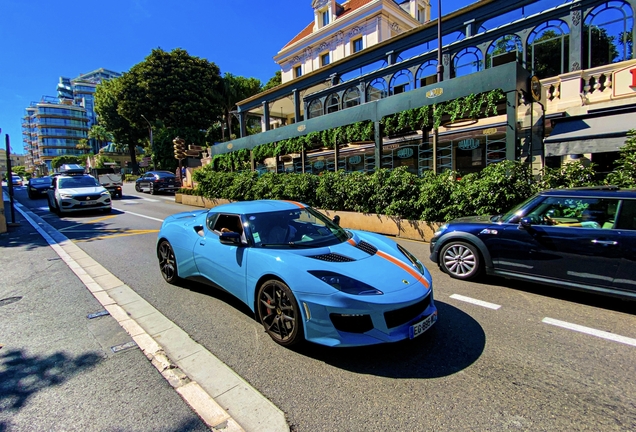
column 73, row 190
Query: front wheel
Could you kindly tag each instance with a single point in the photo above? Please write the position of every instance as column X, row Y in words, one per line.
column 279, row 313
column 460, row 260
column 167, row 262
column 137, row 188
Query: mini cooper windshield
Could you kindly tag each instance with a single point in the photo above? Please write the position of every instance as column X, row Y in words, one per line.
column 296, row 228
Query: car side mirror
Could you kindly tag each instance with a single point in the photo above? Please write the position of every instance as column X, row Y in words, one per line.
column 525, row 223
column 230, row 238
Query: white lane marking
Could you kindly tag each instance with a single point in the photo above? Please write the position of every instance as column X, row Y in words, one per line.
column 140, row 215
column 150, row 199
column 475, row 301
column 590, row 331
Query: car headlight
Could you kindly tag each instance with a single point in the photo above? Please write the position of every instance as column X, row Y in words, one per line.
column 440, row 230
column 105, row 193
column 345, row 283
column 412, row 258
column 65, row 195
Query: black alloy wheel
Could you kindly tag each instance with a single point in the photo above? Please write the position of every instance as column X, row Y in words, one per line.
column 460, row 260
column 137, row 188
column 279, row 313
column 167, row 262
column 152, row 189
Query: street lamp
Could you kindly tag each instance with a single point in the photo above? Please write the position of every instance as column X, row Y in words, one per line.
column 152, row 146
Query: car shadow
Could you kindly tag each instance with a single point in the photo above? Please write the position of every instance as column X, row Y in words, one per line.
column 454, row 343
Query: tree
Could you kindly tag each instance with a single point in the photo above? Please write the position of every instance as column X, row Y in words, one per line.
column 100, row 134
column 108, row 97
column 274, row 81
column 234, row 89
column 625, row 173
column 83, row 145
column 173, row 89
column 61, row 160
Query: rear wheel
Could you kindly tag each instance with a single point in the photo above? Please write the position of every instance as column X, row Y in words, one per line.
column 152, row 189
column 137, row 188
column 167, row 262
column 279, row 313
column 460, row 260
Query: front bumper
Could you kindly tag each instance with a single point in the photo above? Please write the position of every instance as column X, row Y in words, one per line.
column 345, row 322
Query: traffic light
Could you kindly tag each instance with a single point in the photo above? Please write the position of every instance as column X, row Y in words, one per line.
column 179, row 148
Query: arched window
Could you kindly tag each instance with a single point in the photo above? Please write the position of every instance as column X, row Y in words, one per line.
column 351, row 97
column 377, row 90
column 548, row 49
column 332, row 103
column 607, row 34
column 315, row 108
column 418, row 50
column 467, row 61
column 401, row 82
column 506, row 49
column 426, row 74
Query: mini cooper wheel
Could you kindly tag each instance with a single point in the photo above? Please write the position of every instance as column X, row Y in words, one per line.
column 460, row 260
column 279, row 313
column 167, row 262
column 137, row 188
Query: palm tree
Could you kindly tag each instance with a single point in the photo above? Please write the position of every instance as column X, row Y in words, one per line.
column 100, row 134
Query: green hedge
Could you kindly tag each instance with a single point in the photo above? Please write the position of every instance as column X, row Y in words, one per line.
column 431, row 197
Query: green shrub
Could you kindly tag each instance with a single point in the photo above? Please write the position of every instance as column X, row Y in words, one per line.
column 625, row 173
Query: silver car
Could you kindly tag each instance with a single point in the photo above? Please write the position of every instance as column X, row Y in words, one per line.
column 77, row 192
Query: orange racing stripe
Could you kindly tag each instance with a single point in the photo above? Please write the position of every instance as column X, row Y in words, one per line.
column 297, row 204
column 406, row 267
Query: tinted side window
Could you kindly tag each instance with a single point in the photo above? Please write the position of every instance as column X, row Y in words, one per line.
column 627, row 215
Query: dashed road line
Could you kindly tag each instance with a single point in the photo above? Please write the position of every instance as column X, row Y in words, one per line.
column 143, row 216
column 590, row 331
column 475, row 301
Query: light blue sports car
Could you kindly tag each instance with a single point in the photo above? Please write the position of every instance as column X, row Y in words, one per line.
column 303, row 276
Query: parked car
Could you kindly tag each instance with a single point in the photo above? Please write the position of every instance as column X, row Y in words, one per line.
column 303, row 276
column 16, row 180
column 157, row 181
column 72, row 190
column 582, row 238
column 38, row 186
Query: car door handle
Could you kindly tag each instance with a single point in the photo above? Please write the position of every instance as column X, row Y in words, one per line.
column 605, row 242
column 202, row 242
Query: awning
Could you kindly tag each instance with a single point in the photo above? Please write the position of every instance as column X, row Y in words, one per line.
column 598, row 134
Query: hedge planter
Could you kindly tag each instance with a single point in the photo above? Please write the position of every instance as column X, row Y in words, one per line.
column 401, row 228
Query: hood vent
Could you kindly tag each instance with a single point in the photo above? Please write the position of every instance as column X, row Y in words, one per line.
column 332, row 257
column 367, row 247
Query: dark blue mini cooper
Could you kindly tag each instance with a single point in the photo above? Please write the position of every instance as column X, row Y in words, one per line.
column 582, row 238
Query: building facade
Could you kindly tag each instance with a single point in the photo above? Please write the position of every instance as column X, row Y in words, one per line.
column 54, row 126
column 563, row 70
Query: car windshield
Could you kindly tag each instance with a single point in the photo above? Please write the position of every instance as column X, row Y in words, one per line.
column 294, row 228
column 513, row 215
column 76, row 182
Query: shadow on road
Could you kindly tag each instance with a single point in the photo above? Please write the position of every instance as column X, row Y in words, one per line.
column 22, row 375
column 454, row 343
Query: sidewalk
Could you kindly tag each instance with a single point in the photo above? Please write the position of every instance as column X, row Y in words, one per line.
column 62, row 368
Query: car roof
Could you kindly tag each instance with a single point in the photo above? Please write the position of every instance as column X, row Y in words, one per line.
column 258, row 206
column 592, row 192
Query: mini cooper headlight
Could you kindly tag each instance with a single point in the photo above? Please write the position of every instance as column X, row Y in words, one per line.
column 345, row 283
column 440, row 230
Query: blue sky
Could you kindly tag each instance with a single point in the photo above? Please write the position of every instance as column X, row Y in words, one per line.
column 42, row 40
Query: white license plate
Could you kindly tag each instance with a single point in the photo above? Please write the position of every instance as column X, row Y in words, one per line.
column 85, row 203
column 418, row 328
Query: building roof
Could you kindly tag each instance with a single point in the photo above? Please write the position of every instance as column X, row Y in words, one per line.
column 347, row 8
